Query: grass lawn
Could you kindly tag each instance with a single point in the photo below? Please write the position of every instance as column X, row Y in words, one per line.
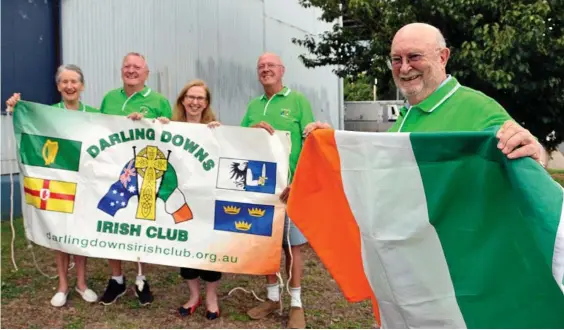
column 558, row 175
column 26, row 295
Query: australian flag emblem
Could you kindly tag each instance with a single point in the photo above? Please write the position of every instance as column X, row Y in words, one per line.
column 120, row 191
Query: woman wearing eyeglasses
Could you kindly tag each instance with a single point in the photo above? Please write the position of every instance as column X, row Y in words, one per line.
column 193, row 105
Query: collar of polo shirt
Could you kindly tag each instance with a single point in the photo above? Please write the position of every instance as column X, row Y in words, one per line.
column 440, row 95
column 285, row 91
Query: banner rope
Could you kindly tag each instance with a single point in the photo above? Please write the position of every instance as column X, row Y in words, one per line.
column 278, row 275
column 9, row 110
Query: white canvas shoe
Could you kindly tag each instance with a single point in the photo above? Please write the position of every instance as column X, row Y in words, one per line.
column 59, row 299
column 88, row 295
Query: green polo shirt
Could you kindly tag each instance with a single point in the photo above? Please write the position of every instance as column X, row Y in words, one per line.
column 286, row 110
column 452, row 107
column 147, row 102
column 81, row 107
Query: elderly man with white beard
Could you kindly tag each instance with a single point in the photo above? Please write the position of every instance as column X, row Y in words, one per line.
column 437, row 102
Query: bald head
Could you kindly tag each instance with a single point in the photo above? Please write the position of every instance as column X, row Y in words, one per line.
column 270, row 71
column 271, row 58
column 424, row 33
column 418, row 57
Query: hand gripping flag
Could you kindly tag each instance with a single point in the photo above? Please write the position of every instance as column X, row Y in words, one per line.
column 441, row 228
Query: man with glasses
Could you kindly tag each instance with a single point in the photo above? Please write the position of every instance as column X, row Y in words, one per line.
column 136, row 101
column 437, row 102
column 281, row 108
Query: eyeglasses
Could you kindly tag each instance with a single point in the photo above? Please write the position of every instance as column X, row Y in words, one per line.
column 191, row 98
column 396, row 61
column 268, row 66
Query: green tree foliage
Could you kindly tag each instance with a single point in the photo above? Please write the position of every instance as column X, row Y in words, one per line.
column 512, row 50
column 358, row 89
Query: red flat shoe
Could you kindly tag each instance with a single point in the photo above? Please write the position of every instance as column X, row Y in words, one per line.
column 190, row 310
column 212, row 315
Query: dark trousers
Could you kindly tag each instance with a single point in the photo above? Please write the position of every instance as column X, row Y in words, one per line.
column 205, row 275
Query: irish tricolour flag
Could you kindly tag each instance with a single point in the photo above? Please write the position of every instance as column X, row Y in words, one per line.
column 440, row 228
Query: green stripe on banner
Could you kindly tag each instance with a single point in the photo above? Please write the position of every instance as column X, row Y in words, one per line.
column 497, row 246
column 50, row 152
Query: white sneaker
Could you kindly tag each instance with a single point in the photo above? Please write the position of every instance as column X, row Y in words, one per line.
column 59, row 299
column 88, row 295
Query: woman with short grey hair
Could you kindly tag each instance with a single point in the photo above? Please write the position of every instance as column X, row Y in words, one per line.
column 70, row 83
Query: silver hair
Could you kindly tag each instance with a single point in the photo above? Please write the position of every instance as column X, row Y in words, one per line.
column 70, row 67
column 138, row 55
column 440, row 39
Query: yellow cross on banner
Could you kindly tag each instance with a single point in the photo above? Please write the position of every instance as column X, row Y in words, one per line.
column 151, row 165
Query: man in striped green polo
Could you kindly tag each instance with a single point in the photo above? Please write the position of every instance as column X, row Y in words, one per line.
column 439, row 103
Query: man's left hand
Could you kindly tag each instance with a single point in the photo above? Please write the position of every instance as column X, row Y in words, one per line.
column 516, row 142
column 135, row 116
column 285, row 194
column 313, row 126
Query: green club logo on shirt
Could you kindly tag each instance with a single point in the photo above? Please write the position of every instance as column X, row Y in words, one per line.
column 143, row 110
column 285, row 112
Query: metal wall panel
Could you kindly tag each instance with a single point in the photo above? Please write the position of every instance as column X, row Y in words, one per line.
column 319, row 85
column 241, row 41
column 215, row 40
column 8, row 158
column 29, row 32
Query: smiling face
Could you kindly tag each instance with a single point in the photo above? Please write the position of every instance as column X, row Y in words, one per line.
column 418, row 62
column 134, row 71
column 270, row 70
column 195, row 101
column 69, row 85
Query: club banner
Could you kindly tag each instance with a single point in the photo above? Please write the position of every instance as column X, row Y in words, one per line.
column 174, row 194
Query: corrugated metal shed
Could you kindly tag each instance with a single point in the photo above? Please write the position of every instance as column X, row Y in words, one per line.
column 215, row 40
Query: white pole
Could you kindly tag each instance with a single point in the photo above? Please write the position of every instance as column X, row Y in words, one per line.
column 341, row 88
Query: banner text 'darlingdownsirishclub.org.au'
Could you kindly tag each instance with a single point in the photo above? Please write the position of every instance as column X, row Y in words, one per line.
column 175, row 194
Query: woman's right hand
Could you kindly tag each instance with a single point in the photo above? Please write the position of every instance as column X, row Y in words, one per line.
column 11, row 102
column 214, row 124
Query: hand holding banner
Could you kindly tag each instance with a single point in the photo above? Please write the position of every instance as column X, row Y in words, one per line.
column 174, row 194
